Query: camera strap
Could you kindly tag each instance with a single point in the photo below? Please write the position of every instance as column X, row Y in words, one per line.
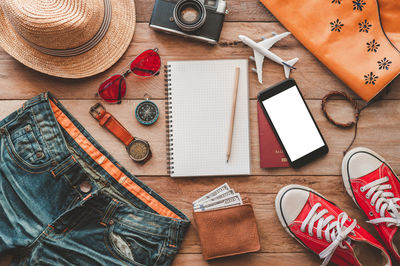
column 231, row 43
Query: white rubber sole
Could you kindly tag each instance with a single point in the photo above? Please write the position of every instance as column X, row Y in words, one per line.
column 278, row 210
column 345, row 174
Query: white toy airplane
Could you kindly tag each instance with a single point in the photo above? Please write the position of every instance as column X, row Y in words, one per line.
column 261, row 50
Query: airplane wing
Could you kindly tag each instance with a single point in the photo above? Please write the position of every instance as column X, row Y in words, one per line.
column 259, row 59
column 268, row 43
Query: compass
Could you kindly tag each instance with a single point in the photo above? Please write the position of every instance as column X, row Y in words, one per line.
column 147, row 112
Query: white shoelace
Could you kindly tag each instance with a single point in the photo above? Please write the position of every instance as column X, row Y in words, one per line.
column 383, row 201
column 333, row 232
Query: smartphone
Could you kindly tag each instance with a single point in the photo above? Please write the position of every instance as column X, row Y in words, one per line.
column 292, row 122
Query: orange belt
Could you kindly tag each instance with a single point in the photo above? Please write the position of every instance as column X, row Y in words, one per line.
column 108, row 166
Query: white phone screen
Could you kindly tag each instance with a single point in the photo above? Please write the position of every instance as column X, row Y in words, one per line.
column 293, row 123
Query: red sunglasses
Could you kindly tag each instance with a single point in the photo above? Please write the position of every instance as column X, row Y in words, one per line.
column 147, row 64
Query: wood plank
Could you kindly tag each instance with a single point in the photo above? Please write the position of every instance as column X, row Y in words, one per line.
column 246, row 259
column 261, row 192
column 239, row 10
column 377, row 130
column 379, row 122
column 315, row 81
column 257, row 259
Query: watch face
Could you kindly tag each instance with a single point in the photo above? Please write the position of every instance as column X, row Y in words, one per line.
column 147, row 113
column 139, row 150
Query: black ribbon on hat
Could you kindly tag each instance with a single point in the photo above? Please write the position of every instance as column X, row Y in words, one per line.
column 84, row 47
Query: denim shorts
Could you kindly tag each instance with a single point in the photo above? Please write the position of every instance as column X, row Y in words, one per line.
column 64, row 200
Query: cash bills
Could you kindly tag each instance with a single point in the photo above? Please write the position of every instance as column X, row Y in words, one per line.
column 223, row 188
column 221, row 197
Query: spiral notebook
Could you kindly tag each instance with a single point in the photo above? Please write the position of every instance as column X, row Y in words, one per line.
column 199, row 102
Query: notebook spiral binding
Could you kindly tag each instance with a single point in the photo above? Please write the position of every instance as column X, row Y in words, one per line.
column 168, row 121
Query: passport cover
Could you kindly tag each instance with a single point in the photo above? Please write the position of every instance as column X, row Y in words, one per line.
column 271, row 153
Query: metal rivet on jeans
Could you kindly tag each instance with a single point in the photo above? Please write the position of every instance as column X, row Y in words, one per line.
column 28, row 129
column 85, row 187
column 39, row 154
column 54, row 163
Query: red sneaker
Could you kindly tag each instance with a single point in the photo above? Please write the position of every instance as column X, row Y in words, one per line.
column 375, row 188
column 326, row 230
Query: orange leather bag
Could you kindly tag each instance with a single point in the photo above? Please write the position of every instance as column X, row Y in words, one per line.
column 358, row 40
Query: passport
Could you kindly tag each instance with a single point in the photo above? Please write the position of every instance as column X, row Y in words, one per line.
column 271, row 152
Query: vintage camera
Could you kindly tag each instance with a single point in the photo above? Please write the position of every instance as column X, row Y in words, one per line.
column 198, row 19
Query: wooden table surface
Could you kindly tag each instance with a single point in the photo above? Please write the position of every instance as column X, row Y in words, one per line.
column 379, row 127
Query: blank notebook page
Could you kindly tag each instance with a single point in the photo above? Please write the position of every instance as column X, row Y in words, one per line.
column 201, row 95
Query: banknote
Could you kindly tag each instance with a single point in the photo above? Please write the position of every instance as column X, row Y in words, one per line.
column 220, row 196
column 221, row 189
column 227, row 202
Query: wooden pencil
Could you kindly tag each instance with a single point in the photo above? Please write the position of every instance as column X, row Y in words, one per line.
column 235, row 92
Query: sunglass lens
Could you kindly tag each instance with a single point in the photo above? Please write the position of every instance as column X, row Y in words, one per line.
column 113, row 89
column 146, row 64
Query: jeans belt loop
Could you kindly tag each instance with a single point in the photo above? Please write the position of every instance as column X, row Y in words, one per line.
column 63, row 167
column 173, row 234
column 35, row 100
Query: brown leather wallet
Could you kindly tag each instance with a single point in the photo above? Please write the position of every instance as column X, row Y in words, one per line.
column 227, row 232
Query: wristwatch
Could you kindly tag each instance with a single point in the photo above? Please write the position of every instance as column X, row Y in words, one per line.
column 138, row 149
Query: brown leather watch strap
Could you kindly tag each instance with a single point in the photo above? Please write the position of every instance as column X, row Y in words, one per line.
column 108, row 121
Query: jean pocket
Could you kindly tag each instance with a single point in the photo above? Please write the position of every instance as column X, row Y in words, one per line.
column 134, row 246
column 26, row 146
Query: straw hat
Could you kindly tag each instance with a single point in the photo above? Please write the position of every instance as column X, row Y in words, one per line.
column 67, row 38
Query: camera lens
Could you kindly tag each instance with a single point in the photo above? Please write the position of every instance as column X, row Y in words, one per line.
column 189, row 15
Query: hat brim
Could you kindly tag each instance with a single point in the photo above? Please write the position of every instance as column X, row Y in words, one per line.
column 98, row 59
